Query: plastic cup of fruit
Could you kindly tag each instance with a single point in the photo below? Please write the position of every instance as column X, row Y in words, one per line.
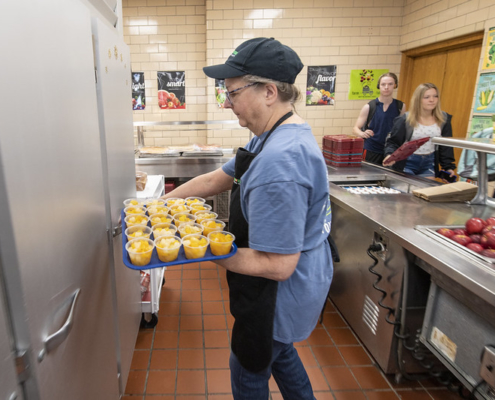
column 188, row 228
column 138, row 231
column 195, row 246
column 134, row 210
column 160, row 218
column 140, row 251
column 179, row 208
column 220, row 242
column 179, row 218
column 201, row 216
column 195, row 208
column 212, row 225
column 136, row 219
column 155, row 209
column 167, row 248
column 154, row 202
column 133, row 202
column 163, row 229
column 194, row 200
column 174, row 201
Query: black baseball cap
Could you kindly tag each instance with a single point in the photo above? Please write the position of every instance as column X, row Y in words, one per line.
column 264, row 57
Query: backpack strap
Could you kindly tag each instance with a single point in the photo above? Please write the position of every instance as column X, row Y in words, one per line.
column 371, row 113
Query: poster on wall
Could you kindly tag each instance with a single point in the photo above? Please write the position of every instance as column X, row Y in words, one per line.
column 171, row 90
column 489, row 58
column 485, row 94
column 479, row 123
column 138, row 96
column 220, row 92
column 320, row 88
column 363, row 83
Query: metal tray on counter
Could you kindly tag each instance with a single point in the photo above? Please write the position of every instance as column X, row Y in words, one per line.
column 202, row 153
column 430, row 230
column 155, row 261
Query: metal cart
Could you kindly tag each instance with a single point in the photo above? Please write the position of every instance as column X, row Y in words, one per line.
column 150, row 303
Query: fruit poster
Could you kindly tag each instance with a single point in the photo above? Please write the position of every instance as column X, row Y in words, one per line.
column 138, row 95
column 489, row 58
column 479, row 123
column 485, row 94
column 171, row 90
column 363, row 83
column 220, row 92
column 320, row 89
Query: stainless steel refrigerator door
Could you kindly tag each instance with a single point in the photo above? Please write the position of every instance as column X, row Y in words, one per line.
column 8, row 375
column 112, row 58
column 52, row 167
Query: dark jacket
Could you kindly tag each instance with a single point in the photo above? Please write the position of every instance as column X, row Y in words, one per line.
column 402, row 132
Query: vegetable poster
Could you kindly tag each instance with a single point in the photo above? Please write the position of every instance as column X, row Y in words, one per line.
column 479, row 123
column 138, row 96
column 489, row 59
column 171, row 90
column 485, row 94
column 320, row 90
column 220, row 92
column 363, row 83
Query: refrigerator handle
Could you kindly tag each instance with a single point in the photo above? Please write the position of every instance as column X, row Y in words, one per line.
column 55, row 339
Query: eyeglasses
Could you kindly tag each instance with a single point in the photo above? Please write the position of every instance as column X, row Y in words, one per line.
column 236, row 90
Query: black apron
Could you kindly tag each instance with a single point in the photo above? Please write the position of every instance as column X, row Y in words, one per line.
column 252, row 299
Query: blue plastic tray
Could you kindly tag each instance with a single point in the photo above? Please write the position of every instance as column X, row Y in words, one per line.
column 155, row 261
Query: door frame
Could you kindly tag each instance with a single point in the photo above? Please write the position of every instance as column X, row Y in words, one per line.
column 408, row 56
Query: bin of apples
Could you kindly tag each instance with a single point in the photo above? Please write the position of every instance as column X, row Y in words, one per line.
column 478, row 235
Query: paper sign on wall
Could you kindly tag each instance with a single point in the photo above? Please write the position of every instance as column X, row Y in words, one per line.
column 363, row 83
column 220, row 92
column 138, row 95
column 171, row 90
column 479, row 123
column 320, row 89
column 485, row 94
column 489, row 58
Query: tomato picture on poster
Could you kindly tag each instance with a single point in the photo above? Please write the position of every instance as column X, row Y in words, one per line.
column 171, row 90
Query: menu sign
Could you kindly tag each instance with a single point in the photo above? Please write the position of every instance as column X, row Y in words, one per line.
column 320, row 88
column 171, row 90
column 138, row 95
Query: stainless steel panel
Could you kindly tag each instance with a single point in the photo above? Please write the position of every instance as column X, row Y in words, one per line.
column 457, row 335
column 115, row 121
column 52, row 170
column 178, row 167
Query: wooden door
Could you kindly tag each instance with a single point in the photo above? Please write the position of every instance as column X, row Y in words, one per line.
column 452, row 65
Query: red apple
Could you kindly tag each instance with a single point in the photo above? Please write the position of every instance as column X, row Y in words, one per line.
column 474, row 225
column 460, row 231
column 476, row 247
column 475, row 237
column 461, row 239
column 488, row 228
column 488, row 253
column 484, row 241
column 446, row 232
column 490, row 239
column 490, row 221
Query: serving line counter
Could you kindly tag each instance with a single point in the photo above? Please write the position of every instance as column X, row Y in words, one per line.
column 437, row 293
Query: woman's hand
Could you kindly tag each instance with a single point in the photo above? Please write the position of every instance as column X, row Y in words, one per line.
column 366, row 134
column 385, row 163
column 451, row 173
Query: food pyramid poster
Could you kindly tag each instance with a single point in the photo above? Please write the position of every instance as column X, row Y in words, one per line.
column 320, row 89
column 171, row 90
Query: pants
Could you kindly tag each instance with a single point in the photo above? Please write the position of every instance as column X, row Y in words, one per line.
column 373, row 157
column 421, row 165
column 287, row 369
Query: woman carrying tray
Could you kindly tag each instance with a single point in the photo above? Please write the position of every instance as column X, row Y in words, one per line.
column 280, row 215
column 424, row 119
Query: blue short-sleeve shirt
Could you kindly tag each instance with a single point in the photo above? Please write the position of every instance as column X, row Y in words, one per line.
column 285, row 200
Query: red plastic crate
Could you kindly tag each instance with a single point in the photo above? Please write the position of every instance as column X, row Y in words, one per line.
column 347, row 158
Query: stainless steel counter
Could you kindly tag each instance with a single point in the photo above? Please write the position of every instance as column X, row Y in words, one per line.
column 397, row 215
column 180, row 167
